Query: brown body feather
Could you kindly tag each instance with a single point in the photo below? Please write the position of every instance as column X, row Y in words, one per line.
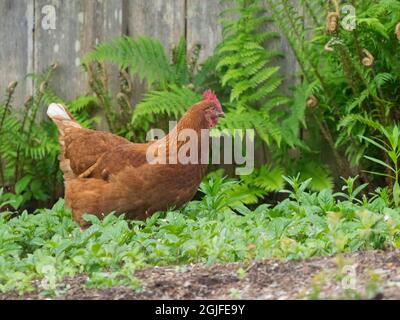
column 105, row 173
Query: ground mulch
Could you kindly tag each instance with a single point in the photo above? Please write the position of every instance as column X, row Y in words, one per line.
column 377, row 276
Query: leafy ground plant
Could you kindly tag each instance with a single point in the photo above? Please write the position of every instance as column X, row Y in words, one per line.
column 391, row 148
column 350, row 69
column 48, row 246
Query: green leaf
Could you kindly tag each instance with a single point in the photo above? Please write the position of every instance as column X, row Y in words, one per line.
column 374, row 24
column 396, row 193
column 376, row 144
column 325, row 199
column 22, row 184
column 380, row 162
column 144, row 56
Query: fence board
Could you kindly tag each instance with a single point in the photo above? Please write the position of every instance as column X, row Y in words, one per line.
column 80, row 24
column 289, row 67
column 16, row 36
column 161, row 19
column 202, row 26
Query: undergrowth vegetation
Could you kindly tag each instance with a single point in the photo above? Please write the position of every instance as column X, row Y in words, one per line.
column 48, row 245
column 29, row 148
column 340, row 120
column 349, row 60
column 324, row 128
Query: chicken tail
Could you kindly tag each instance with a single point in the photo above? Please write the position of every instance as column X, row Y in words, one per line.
column 65, row 122
column 58, row 113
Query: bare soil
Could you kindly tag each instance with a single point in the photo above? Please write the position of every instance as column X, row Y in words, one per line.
column 377, row 276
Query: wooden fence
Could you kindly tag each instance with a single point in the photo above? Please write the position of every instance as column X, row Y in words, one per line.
column 36, row 33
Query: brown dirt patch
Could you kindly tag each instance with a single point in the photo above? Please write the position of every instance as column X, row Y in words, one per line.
column 377, row 277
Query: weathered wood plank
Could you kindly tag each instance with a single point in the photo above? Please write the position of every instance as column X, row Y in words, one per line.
column 289, row 67
column 16, row 43
column 161, row 19
column 79, row 26
column 203, row 27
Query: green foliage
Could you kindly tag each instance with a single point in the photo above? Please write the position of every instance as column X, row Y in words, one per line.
column 220, row 194
column 347, row 101
column 267, row 178
column 391, row 148
column 319, row 175
column 170, row 84
column 28, row 150
column 352, row 191
column 353, row 76
column 246, row 65
column 242, row 72
column 48, row 245
column 83, row 109
column 172, row 103
column 144, row 56
column 247, row 69
column 29, row 145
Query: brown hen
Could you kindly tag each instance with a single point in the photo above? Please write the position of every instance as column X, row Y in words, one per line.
column 105, row 173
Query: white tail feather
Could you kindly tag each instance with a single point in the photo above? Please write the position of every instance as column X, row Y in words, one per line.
column 56, row 110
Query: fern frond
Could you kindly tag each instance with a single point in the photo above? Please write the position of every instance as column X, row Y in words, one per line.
column 270, row 178
column 180, row 63
column 144, row 56
column 171, row 103
column 348, row 121
column 320, row 175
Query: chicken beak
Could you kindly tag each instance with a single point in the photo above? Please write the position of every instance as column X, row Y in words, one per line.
column 221, row 114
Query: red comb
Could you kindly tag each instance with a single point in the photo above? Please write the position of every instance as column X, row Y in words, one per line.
column 210, row 96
